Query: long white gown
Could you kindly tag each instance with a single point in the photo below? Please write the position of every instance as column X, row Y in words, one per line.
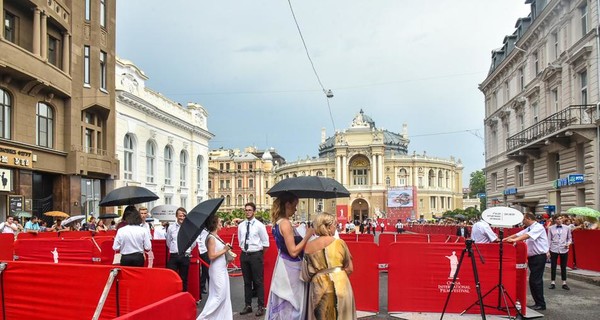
column 218, row 305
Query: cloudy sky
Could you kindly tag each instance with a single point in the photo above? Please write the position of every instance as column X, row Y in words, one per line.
column 413, row 62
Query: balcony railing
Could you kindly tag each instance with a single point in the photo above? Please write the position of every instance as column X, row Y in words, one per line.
column 571, row 116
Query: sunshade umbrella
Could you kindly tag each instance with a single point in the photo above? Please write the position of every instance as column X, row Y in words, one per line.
column 310, row 187
column 164, row 212
column 584, row 211
column 56, row 214
column 22, row 214
column 108, row 216
column 72, row 220
column 128, row 195
column 194, row 223
column 460, row 217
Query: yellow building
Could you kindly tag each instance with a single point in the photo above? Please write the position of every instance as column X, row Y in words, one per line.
column 57, row 106
column 384, row 180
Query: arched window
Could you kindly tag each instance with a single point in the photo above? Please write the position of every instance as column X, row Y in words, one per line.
column 319, row 173
column 251, row 198
column 183, row 168
column 431, row 179
column 5, row 113
column 228, row 200
column 402, row 177
column 387, row 181
column 45, row 125
column 448, row 182
column 440, row 178
column 240, row 200
column 199, row 173
column 128, row 152
column 150, row 161
column 168, row 165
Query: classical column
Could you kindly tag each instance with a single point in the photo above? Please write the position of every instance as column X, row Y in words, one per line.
column 36, row 31
column 344, row 171
column 374, row 170
column 338, row 168
column 66, row 53
column 380, row 158
column 44, row 37
column 2, row 13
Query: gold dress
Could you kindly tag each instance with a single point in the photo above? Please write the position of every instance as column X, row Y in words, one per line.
column 330, row 292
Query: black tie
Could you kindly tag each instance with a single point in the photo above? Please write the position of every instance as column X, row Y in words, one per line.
column 559, row 227
column 247, row 235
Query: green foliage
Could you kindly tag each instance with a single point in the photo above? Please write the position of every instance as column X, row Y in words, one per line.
column 477, row 183
column 265, row 216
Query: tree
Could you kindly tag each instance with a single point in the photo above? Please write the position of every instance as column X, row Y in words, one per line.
column 477, row 186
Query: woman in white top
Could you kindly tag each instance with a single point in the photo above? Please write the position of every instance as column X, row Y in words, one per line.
column 218, row 304
column 132, row 240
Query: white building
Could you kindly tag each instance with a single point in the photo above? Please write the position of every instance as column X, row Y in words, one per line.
column 161, row 144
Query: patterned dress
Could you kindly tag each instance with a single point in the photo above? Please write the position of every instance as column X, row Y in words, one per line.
column 330, row 292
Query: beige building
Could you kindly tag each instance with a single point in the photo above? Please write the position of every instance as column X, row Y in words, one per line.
column 541, row 110
column 57, row 117
column 384, row 180
column 242, row 176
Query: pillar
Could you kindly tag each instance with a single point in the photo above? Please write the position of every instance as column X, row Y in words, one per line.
column 36, row 31
column 44, row 37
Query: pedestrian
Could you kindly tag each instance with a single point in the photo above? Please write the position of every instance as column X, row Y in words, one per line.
column 161, row 231
column 463, row 231
column 560, row 238
column 288, row 292
column 326, row 266
column 482, row 233
column 536, row 239
column 33, row 225
column 144, row 213
column 10, row 226
column 254, row 240
column 218, row 304
column 132, row 240
column 399, row 227
column 203, row 251
column 177, row 262
column 382, row 226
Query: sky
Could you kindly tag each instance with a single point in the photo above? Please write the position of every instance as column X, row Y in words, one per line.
column 413, row 62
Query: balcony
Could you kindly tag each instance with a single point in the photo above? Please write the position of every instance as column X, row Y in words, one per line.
column 82, row 160
column 561, row 127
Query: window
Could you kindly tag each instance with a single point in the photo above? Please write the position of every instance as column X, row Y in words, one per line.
column 86, row 65
column 88, row 10
column 530, row 172
column 506, row 91
column 221, row 166
column 520, row 176
column 579, row 158
column 168, row 200
column 431, row 179
column 221, row 184
column 553, row 166
column 535, row 112
column 92, row 131
column 88, row 143
column 388, row 181
column 536, row 64
column 583, row 83
column 494, row 181
column 250, row 183
column 420, row 181
column 45, row 125
column 239, row 167
column 5, row 114
column 240, row 200
column 359, row 177
column 250, row 167
column 183, row 201
column 103, row 13
column 584, row 19
column 199, row 177
column 128, row 157
column 10, row 27
column 53, row 51
column 432, row 202
column 168, row 165
column 521, row 122
column 440, row 178
column 447, row 179
column 555, row 45
column 402, row 177
column 103, row 74
column 183, row 169
column 505, row 177
column 228, row 200
column 521, row 80
column 150, row 161
column 250, row 198
column 239, row 183
column 227, row 167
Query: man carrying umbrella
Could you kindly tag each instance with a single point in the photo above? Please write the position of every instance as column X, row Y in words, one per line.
column 179, row 263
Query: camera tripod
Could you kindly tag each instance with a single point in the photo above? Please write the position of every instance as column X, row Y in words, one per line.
column 503, row 296
column 468, row 249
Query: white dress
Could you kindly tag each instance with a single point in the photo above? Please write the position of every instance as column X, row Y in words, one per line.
column 218, row 305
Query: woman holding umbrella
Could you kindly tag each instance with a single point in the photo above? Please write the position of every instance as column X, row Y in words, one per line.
column 287, row 295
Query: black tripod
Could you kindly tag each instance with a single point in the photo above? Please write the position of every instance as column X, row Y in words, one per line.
column 503, row 296
column 468, row 249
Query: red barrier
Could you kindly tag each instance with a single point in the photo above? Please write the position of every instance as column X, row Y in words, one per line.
column 56, row 250
column 425, row 281
column 181, row 306
column 7, row 241
column 74, row 234
column 39, row 235
column 269, row 259
column 193, row 279
column 72, row 291
column 522, row 272
column 365, row 278
column 159, row 248
column 586, row 253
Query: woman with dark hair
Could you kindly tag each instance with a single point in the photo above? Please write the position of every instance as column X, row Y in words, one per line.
column 287, row 295
column 132, row 239
column 218, row 305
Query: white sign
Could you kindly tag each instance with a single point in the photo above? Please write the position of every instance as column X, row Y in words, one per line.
column 165, row 212
column 502, row 216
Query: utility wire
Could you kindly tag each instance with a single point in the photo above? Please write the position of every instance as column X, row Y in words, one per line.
column 328, row 94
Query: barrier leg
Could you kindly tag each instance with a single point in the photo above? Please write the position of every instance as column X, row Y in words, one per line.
column 2, row 268
column 109, row 282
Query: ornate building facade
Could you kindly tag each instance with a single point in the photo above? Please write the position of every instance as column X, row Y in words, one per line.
column 162, row 145
column 57, row 108
column 384, row 180
column 541, row 110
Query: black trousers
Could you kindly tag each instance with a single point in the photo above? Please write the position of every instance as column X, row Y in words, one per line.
column 180, row 263
column 252, row 270
column 204, row 277
column 537, row 264
column 133, row 259
column 563, row 265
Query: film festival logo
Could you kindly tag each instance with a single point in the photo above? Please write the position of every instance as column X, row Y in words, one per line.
column 458, row 287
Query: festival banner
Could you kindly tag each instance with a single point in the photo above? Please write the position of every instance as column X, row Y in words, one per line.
column 400, row 197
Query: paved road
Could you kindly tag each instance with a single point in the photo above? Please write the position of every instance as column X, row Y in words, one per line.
column 580, row 303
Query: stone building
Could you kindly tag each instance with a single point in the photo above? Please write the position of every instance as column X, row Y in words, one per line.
column 383, row 179
column 57, row 117
column 162, row 145
column 541, row 110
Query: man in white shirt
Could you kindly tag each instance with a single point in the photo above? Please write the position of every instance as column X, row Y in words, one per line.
column 203, row 251
column 179, row 263
column 9, row 226
column 253, row 239
column 560, row 238
column 482, row 233
column 399, row 226
column 536, row 239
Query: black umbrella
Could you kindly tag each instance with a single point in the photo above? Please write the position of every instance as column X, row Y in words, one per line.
column 108, row 216
column 194, row 223
column 460, row 217
column 310, row 187
column 128, row 195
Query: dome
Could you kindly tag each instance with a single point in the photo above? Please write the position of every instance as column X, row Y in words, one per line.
column 267, row 156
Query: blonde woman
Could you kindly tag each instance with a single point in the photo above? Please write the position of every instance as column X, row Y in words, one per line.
column 326, row 267
column 287, row 294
